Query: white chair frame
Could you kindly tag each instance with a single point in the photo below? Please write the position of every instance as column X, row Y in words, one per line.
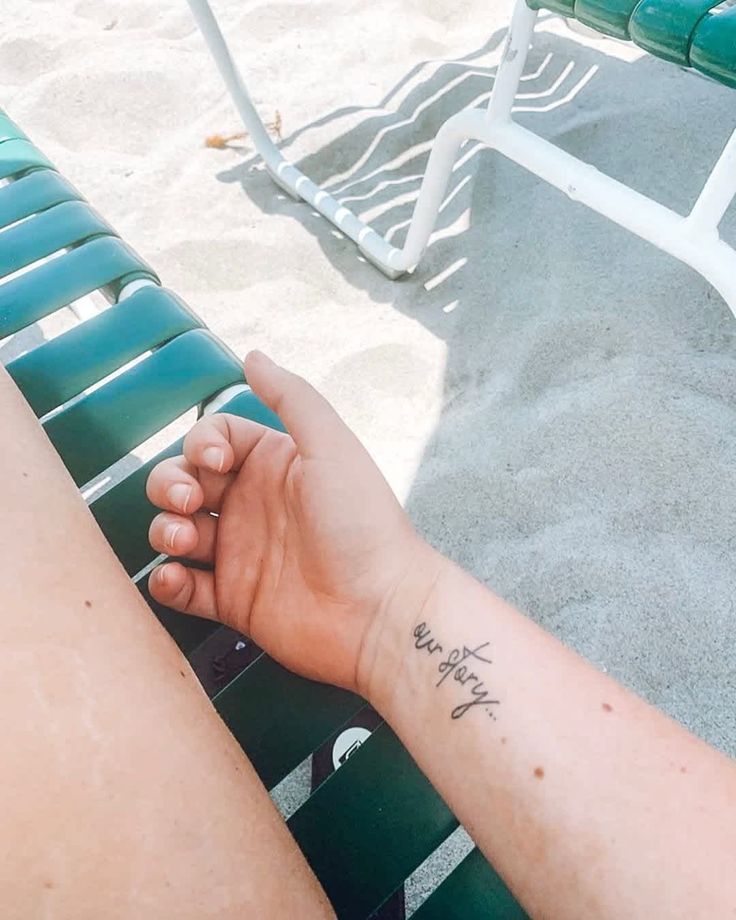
column 693, row 238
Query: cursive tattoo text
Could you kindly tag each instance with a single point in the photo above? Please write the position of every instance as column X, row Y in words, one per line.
column 458, row 664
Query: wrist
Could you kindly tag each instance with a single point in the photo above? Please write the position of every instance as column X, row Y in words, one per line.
column 383, row 652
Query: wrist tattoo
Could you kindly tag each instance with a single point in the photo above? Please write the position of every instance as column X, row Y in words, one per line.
column 458, row 664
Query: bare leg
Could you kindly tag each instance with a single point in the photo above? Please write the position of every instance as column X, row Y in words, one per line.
column 122, row 794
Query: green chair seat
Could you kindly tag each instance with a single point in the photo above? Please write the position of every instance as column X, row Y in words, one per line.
column 100, row 390
column 685, row 32
column 563, row 7
column 302, row 715
column 32, row 194
column 18, row 156
column 473, row 887
column 377, row 810
column 62, row 226
column 665, row 27
column 106, row 424
column 99, row 263
column 9, row 131
column 58, row 370
column 713, row 46
column 611, row 17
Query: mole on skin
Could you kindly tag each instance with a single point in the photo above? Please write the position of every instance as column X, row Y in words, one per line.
column 88, row 603
column 539, row 772
column 607, row 707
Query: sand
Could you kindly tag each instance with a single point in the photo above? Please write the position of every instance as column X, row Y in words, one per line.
column 553, row 400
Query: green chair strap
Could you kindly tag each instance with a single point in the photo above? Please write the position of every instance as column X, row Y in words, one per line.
column 611, row 17
column 278, row 718
column 104, row 425
column 9, row 131
column 665, row 27
column 563, row 7
column 691, row 33
column 17, row 156
column 62, row 368
column 472, row 890
column 713, row 46
column 35, row 192
column 58, row 282
column 377, row 810
column 43, row 234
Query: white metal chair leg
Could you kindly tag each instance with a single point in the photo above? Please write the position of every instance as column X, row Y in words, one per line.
column 461, row 127
column 717, row 264
column 374, row 246
column 718, row 192
column 379, row 251
column 513, row 59
column 717, row 260
column 693, row 239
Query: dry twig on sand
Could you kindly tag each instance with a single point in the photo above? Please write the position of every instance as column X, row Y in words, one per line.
column 222, row 141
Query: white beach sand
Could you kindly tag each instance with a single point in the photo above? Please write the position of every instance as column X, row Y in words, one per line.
column 553, row 400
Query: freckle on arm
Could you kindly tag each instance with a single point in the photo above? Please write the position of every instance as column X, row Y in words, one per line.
column 539, row 772
column 88, row 603
column 606, row 707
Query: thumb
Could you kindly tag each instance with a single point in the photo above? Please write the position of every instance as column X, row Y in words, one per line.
column 311, row 421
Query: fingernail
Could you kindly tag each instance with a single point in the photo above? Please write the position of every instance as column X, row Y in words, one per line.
column 180, row 496
column 170, row 535
column 214, row 458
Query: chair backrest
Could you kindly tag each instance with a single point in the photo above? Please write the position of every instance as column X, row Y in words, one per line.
column 368, row 826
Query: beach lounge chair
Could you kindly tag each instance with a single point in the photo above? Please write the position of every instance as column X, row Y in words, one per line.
column 100, row 390
column 699, row 34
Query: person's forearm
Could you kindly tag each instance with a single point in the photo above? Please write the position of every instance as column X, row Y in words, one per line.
column 588, row 801
column 122, row 794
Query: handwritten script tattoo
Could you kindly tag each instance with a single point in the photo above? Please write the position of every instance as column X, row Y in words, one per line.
column 457, row 664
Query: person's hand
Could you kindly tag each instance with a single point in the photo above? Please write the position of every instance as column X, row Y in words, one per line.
column 309, row 545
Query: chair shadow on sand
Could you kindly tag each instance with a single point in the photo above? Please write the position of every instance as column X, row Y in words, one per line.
column 583, row 459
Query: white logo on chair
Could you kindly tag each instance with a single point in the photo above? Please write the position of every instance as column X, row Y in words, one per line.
column 347, row 744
